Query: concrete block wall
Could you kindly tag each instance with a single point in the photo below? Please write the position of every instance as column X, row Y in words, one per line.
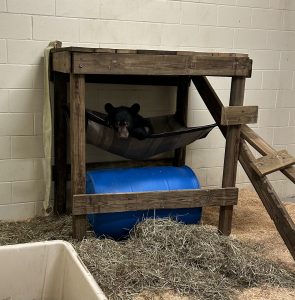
column 264, row 28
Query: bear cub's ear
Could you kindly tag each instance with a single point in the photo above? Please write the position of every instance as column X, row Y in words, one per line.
column 135, row 108
column 109, row 108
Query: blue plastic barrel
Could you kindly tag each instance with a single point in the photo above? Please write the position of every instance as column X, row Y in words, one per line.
column 117, row 225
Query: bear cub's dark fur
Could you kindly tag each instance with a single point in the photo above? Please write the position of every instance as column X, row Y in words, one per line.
column 126, row 120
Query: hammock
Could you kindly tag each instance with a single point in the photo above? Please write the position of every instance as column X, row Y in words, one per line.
column 168, row 135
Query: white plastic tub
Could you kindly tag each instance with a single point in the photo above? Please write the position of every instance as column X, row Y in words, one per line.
column 45, row 271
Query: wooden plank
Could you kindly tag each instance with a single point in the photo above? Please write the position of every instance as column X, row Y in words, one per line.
column 213, row 54
column 77, row 142
column 270, row 200
column 60, row 146
column 272, row 162
column 264, row 148
column 84, row 50
column 231, row 154
column 143, row 51
column 105, row 203
column 147, row 64
column 61, row 62
column 181, row 115
column 234, row 115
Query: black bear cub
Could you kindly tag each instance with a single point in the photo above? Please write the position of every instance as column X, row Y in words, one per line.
column 126, row 120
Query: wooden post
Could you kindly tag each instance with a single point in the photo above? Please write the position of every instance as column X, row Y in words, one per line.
column 231, row 154
column 77, row 140
column 181, row 115
column 60, row 145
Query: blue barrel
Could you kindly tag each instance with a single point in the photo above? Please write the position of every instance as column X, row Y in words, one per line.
column 117, row 225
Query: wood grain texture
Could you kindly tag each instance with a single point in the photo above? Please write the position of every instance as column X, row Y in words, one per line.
column 270, row 200
column 235, row 115
column 272, row 162
column 61, row 62
column 77, row 142
column 231, row 155
column 142, row 51
column 60, row 145
column 264, row 148
column 148, row 64
column 105, row 203
column 181, row 115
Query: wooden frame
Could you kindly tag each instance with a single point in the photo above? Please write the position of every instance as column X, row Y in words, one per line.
column 268, row 196
column 148, row 67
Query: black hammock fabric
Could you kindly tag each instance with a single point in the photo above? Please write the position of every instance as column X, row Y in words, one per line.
column 168, row 135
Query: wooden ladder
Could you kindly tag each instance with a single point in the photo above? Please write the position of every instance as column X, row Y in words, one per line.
column 257, row 169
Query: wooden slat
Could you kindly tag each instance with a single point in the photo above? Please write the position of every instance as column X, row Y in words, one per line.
column 83, row 50
column 270, row 200
column 77, row 140
column 105, row 203
column 147, row 64
column 234, row 115
column 181, row 115
column 272, row 162
column 61, row 62
column 142, row 51
column 264, row 148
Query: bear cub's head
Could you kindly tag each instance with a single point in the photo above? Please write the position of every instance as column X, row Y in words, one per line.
column 127, row 121
column 122, row 118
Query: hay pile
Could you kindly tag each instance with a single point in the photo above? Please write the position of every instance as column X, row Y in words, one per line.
column 162, row 255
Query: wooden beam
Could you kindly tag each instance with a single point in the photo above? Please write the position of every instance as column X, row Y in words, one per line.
column 106, row 203
column 264, row 148
column 77, row 140
column 149, row 64
column 272, row 162
column 235, row 115
column 232, row 147
column 270, row 200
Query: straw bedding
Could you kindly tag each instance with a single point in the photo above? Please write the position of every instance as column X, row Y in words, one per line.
column 163, row 259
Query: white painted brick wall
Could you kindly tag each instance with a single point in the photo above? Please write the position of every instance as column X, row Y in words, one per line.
column 265, row 29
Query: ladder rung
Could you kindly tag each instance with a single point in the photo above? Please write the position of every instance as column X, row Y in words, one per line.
column 272, row 162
